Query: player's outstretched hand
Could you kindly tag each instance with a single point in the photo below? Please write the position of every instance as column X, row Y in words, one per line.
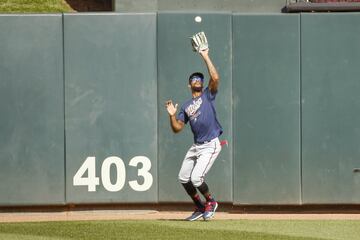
column 204, row 53
column 171, row 108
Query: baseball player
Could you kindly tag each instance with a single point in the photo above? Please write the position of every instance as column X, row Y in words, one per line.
column 200, row 112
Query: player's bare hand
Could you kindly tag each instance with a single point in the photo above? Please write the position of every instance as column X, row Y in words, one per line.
column 204, row 53
column 171, row 108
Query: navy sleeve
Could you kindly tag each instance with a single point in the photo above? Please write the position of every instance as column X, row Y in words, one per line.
column 209, row 95
column 182, row 116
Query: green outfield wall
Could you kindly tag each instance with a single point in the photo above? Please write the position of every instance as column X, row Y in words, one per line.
column 266, row 108
column 32, row 110
column 330, row 103
column 111, row 106
column 83, row 119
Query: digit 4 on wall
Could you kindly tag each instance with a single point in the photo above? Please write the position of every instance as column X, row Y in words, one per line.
column 91, row 180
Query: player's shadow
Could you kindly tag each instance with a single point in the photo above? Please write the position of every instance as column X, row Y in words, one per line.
column 91, row 5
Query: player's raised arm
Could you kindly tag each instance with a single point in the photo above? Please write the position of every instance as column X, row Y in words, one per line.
column 214, row 76
column 176, row 125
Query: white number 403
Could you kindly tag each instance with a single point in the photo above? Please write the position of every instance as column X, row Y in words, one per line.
column 91, row 181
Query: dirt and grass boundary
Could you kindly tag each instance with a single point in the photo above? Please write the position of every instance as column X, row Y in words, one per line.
column 175, row 212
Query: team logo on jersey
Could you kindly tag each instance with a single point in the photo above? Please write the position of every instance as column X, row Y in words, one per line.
column 192, row 109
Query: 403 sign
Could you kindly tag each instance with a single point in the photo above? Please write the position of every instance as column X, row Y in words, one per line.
column 91, row 180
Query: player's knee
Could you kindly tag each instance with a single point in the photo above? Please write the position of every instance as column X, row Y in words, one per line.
column 196, row 181
column 182, row 178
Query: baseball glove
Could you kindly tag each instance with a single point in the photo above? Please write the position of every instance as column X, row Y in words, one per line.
column 199, row 42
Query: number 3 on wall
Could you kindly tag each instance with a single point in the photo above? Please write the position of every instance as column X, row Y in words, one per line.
column 91, row 181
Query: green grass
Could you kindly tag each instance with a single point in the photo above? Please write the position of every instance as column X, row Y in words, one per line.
column 181, row 230
column 34, row 6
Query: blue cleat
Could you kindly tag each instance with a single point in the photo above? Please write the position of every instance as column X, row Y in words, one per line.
column 198, row 213
column 210, row 209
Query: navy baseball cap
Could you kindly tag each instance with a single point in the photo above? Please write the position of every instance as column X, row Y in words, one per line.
column 196, row 76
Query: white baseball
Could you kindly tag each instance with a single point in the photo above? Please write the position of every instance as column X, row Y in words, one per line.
column 198, row 19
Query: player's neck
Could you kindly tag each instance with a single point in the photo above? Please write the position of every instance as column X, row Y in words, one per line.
column 196, row 94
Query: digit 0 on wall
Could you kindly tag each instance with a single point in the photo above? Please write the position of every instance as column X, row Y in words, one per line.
column 110, row 108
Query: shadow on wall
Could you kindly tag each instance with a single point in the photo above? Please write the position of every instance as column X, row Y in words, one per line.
column 91, row 5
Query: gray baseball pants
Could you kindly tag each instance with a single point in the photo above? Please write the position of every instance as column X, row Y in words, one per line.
column 198, row 161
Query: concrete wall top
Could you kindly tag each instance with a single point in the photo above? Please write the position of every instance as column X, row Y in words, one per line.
column 202, row 5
